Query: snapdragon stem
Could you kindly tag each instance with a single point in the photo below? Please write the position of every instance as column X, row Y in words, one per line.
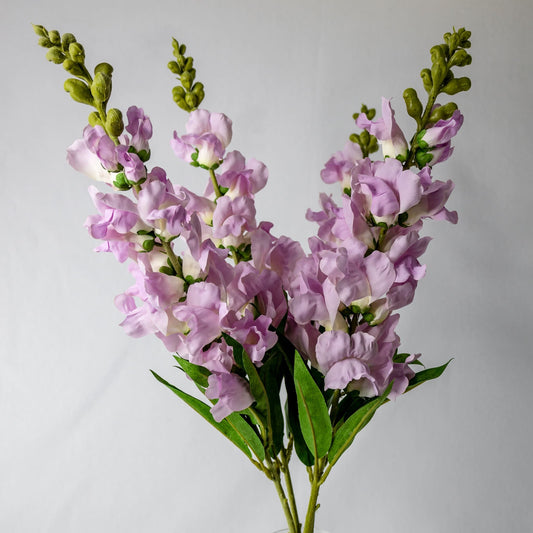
column 288, row 481
column 216, row 188
column 173, row 259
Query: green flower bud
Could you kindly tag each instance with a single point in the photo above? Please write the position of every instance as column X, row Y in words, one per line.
column 178, row 92
column 174, row 67
column 77, row 53
column 427, row 80
column 121, row 182
column 54, row 37
column 148, row 245
column 438, row 72
column 188, row 64
column 438, row 54
column 55, row 55
column 104, row 68
column 423, row 158
column 186, row 80
column 67, row 40
column 182, row 49
column 457, row 85
column 40, row 30
column 373, row 146
column 94, row 119
column 413, row 104
column 44, row 42
column 444, row 112
column 198, row 90
column 461, row 58
column 73, row 68
column 114, row 124
column 101, row 87
column 364, row 136
column 191, row 100
column 79, row 91
column 180, row 60
column 354, row 138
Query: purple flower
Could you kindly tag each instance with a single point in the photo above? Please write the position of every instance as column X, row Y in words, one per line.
column 231, row 391
column 94, row 155
column 387, row 131
column 208, row 134
column 388, row 190
column 233, row 216
column 441, row 132
column 342, row 165
column 140, row 128
column 344, row 358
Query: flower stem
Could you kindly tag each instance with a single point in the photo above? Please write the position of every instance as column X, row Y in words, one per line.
column 216, row 188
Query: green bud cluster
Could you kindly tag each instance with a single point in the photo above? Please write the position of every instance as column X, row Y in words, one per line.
column 439, row 79
column 82, row 87
column 189, row 94
column 367, row 142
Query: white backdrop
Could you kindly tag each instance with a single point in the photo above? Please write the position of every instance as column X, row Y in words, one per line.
column 91, row 442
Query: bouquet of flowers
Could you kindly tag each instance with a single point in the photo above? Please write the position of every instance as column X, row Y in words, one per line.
column 291, row 352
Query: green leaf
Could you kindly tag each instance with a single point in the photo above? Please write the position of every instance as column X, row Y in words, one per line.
column 271, row 375
column 247, row 433
column 353, row 425
column 426, row 375
column 312, row 410
column 257, row 389
column 198, row 374
column 204, row 410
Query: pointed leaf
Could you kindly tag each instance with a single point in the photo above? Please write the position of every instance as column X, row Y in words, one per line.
column 247, row 433
column 257, row 387
column 271, row 375
column 347, row 431
column 204, row 410
column 198, row 374
column 426, row 375
column 312, row 410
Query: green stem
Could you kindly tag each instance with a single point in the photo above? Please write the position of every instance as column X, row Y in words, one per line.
column 312, row 506
column 276, row 478
column 214, row 181
column 290, row 490
column 173, row 259
column 422, row 124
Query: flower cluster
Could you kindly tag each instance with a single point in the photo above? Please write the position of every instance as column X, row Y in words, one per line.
column 247, row 311
column 205, row 270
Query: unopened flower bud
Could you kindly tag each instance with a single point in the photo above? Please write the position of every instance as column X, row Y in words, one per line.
column 44, row 42
column 188, row 64
column 40, row 30
column 191, row 100
column 443, row 112
column 114, row 123
column 66, row 40
column 438, row 72
column 101, row 87
column 457, row 85
column 73, row 68
column 54, row 37
column 427, row 79
column 186, row 80
column 76, row 51
column 104, row 68
column 182, row 49
column 55, row 55
column 461, row 58
column 413, row 104
column 94, row 119
column 79, row 91
column 174, row 67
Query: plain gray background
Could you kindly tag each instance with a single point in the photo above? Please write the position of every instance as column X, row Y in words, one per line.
column 91, row 442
